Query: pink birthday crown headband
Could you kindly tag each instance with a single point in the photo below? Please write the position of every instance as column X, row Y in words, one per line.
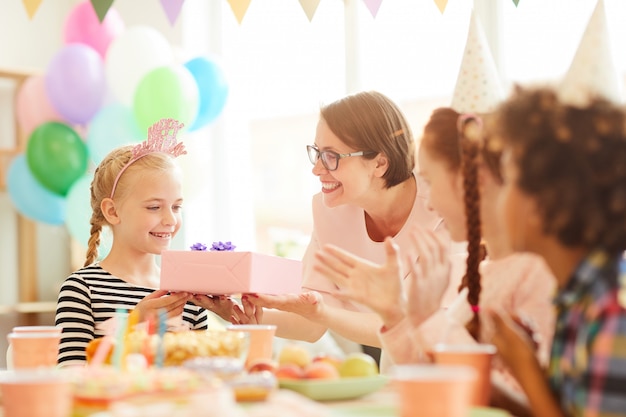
column 161, row 138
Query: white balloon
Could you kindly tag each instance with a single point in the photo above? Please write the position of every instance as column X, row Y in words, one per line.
column 133, row 54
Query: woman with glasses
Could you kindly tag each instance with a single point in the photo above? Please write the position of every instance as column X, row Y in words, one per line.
column 364, row 156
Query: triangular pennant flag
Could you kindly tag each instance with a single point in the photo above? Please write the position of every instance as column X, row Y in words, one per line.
column 31, row 7
column 309, row 7
column 478, row 88
column 239, row 7
column 172, row 9
column 101, row 7
column 441, row 5
column 373, row 6
column 515, row 2
column 592, row 71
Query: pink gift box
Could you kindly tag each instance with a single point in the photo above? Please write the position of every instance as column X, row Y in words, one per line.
column 229, row 272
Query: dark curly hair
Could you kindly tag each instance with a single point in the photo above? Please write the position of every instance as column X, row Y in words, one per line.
column 571, row 161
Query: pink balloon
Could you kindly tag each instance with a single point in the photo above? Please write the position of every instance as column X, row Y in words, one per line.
column 33, row 106
column 82, row 26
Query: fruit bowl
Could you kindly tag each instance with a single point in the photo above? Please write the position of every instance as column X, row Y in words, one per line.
column 334, row 389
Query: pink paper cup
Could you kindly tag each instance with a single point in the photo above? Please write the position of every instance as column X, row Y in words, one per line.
column 34, row 349
column 476, row 356
column 261, row 338
column 433, row 390
column 37, row 329
column 35, row 393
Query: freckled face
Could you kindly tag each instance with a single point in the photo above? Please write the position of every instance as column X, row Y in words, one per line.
column 352, row 180
column 445, row 193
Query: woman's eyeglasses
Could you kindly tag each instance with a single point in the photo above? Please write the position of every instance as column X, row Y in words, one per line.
column 330, row 159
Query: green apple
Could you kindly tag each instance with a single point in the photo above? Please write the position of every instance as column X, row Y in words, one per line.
column 358, row 364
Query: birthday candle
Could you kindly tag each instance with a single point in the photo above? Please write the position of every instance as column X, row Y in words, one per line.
column 161, row 345
column 119, row 338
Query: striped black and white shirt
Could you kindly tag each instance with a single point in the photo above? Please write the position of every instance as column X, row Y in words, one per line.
column 90, row 296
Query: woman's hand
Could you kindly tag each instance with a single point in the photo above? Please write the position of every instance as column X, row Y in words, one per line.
column 248, row 313
column 172, row 303
column 222, row 305
column 377, row 286
column 429, row 278
column 308, row 304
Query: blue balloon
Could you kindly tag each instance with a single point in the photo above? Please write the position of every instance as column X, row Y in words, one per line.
column 32, row 199
column 213, row 88
column 113, row 126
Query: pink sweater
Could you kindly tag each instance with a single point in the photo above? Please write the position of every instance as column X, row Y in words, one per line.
column 519, row 283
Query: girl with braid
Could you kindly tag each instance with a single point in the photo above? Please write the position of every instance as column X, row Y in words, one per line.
column 137, row 192
column 464, row 183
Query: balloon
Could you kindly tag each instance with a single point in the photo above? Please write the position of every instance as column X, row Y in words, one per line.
column 131, row 56
column 56, row 156
column 113, row 126
column 32, row 105
column 166, row 92
column 79, row 215
column 75, row 82
column 30, row 198
column 82, row 26
column 212, row 87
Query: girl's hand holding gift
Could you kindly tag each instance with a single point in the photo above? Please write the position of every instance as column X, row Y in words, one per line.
column 172, row 303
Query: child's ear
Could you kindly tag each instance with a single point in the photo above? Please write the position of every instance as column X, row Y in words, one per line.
column 107, row 205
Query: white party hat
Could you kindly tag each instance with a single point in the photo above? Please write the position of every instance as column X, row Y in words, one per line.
column 592, row 71
column 478, row 88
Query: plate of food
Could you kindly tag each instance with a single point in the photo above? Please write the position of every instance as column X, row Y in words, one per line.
column 334, row 389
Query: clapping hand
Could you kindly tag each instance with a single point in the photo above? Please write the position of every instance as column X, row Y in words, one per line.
column 514, row 339
column 429, row 277
column 377, row 286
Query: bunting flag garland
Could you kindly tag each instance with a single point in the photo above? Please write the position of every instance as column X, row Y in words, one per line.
column 592, row 71
column 101, row 8
column 441, row 5
column 239, row 7
column 31, row 7
column 309, row 7
column 373, row 6
column 515, row 2
column 172, row 9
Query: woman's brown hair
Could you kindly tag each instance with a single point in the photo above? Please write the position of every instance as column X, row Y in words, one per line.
column 370, row 121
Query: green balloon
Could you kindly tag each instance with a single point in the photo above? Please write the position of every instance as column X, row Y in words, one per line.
column 168, row 92
column 56, row 156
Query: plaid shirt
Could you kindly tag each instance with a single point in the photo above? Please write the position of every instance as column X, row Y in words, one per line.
column 588, row 361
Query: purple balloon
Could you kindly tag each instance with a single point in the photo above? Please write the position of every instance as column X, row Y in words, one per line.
column 75, row 82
